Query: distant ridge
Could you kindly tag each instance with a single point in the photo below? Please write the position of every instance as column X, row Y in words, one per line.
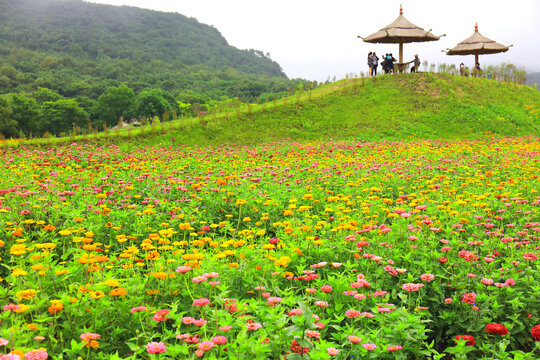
column 90, row 30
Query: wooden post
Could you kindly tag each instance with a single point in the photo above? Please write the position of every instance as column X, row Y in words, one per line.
column 475, row 59
column 401, row 66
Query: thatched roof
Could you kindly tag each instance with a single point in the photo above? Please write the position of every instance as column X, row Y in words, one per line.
column 477, row 44
column 401, row 31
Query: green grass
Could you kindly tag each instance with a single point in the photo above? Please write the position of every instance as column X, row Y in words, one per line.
column 422, row 105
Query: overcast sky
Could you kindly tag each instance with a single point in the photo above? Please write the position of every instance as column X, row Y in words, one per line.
column 317, row 39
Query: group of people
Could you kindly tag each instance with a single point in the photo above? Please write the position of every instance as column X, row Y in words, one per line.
column 464, row 70
column 388, row 63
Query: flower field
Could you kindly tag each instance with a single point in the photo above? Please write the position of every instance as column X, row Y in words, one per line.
column 364, row 250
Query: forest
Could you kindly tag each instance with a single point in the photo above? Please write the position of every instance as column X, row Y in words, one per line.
column 66, row 64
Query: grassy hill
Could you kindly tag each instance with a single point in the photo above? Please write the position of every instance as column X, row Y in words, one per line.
column 422, row 105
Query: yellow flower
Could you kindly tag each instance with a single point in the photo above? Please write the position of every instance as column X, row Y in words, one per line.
column 22, row 308
column 112, row 283
column 233, row 265
column 18, row 272
column 65, row 232
column 26, row 294
column 32, row 327
column 96, row 294
column 18, row 249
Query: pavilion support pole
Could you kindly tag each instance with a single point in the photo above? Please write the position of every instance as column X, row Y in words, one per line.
column 401, row 66
column 475, row 59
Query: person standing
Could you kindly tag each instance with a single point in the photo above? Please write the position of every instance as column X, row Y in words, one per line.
column 375, row 63
column 370, row 63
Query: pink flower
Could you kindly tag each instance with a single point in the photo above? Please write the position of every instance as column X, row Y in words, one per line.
column 394, row 348
column 11, row 307
column 321, row 303
column 354, row 339
column 411, row 287
column 352, row 313
column 36, row 355
column 219, row 340
column 138, row 308
column 198, row 279
column 427, row 277
column 201, row 302
column 487, row 281
column 160, row 315
column 253, row 326
column 260, row 288
column 225, row 328
column 295, row 312
column 469, row 298
column 332, row 351
column 206, row 345
column 369, row 347
column 3, row 342
column 90, row 336
column 326, row 289
column 183, row 269
column 155, row 347
column 200, row 322
column 313, row 334
column 199, row 353
column 10, row 357
column 187, row 320
column 448, row 300
column 510, row 282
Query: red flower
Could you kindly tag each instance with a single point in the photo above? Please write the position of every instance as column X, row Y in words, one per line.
column 535, row 332
column 296, row 348
column 497, row 329
column 469, row 338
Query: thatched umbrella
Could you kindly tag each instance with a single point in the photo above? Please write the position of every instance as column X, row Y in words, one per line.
column 476, row 45
column 399, row 32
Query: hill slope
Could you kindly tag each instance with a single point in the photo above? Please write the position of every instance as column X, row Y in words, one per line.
column 422, row 105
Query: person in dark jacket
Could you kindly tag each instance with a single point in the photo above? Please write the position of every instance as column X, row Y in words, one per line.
column 375, row 63
column 370, row 62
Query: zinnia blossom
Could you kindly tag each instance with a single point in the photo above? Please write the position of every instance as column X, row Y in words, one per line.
column 219, row 340
column 369, row 347
column 354, row 339
column 332, row 351
column 535, row 332
column 90, row 336
column 155, row 347
column 497, row 329
column 201, row 302
column 469, row 338
column 206, row 345
column 39, row 354
column 394, row 348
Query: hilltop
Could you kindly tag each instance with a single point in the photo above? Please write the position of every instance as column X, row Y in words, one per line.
column 422, row 105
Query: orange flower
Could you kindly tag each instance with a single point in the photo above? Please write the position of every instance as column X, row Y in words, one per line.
column 56, row 306
column 118, row 292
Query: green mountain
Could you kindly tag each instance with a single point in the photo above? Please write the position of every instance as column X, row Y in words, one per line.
column 401, row 106
column 79, row 49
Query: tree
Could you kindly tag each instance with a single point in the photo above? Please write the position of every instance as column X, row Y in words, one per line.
column 114, row 103
column 8, row 126
column 43, row 94
column 62, row 115
column 152, row 103
column 27, row 113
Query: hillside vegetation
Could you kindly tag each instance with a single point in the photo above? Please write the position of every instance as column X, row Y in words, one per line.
column 422, row 105
column 76, row 51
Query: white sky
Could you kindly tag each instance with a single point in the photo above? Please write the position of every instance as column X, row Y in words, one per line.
column 317, row 39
